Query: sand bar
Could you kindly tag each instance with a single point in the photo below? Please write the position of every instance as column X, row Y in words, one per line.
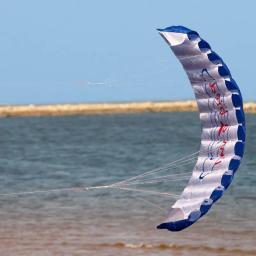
column 104, row 108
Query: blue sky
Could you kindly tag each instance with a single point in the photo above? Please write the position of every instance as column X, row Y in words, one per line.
column 57, row 51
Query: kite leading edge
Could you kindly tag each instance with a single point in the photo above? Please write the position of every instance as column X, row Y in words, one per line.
column 222, row 118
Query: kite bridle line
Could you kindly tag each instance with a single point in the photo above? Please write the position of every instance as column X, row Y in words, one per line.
column 132, row 181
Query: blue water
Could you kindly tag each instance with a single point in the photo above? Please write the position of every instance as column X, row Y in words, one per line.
column 60, row 152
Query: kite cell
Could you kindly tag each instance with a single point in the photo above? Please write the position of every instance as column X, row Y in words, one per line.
column 223, row 126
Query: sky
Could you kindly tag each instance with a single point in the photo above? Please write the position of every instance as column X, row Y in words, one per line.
column 63, row 51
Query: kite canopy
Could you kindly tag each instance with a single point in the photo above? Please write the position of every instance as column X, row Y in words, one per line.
column 223, row 126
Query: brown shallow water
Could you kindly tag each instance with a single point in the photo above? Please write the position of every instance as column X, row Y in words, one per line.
column 74, row 239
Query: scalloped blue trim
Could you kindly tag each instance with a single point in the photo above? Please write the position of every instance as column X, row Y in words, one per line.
column 176, row 226
column 176, row 29
column 214, row 58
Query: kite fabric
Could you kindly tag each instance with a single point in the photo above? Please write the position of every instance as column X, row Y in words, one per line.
column 222, row 118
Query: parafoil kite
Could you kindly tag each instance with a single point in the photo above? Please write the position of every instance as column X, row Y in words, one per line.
column 223, row 126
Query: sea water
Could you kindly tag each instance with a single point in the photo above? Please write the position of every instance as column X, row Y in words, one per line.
column 42, row 153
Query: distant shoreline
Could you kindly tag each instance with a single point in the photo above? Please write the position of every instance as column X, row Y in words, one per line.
column 105, row 108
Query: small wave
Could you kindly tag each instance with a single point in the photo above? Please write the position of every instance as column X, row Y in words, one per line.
column 178, row 247
column 245, row 197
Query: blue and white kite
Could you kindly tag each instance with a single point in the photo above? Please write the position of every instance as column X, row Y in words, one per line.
column 223, row 126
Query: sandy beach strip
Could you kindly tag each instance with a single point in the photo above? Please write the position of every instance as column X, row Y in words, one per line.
column 104, row 108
